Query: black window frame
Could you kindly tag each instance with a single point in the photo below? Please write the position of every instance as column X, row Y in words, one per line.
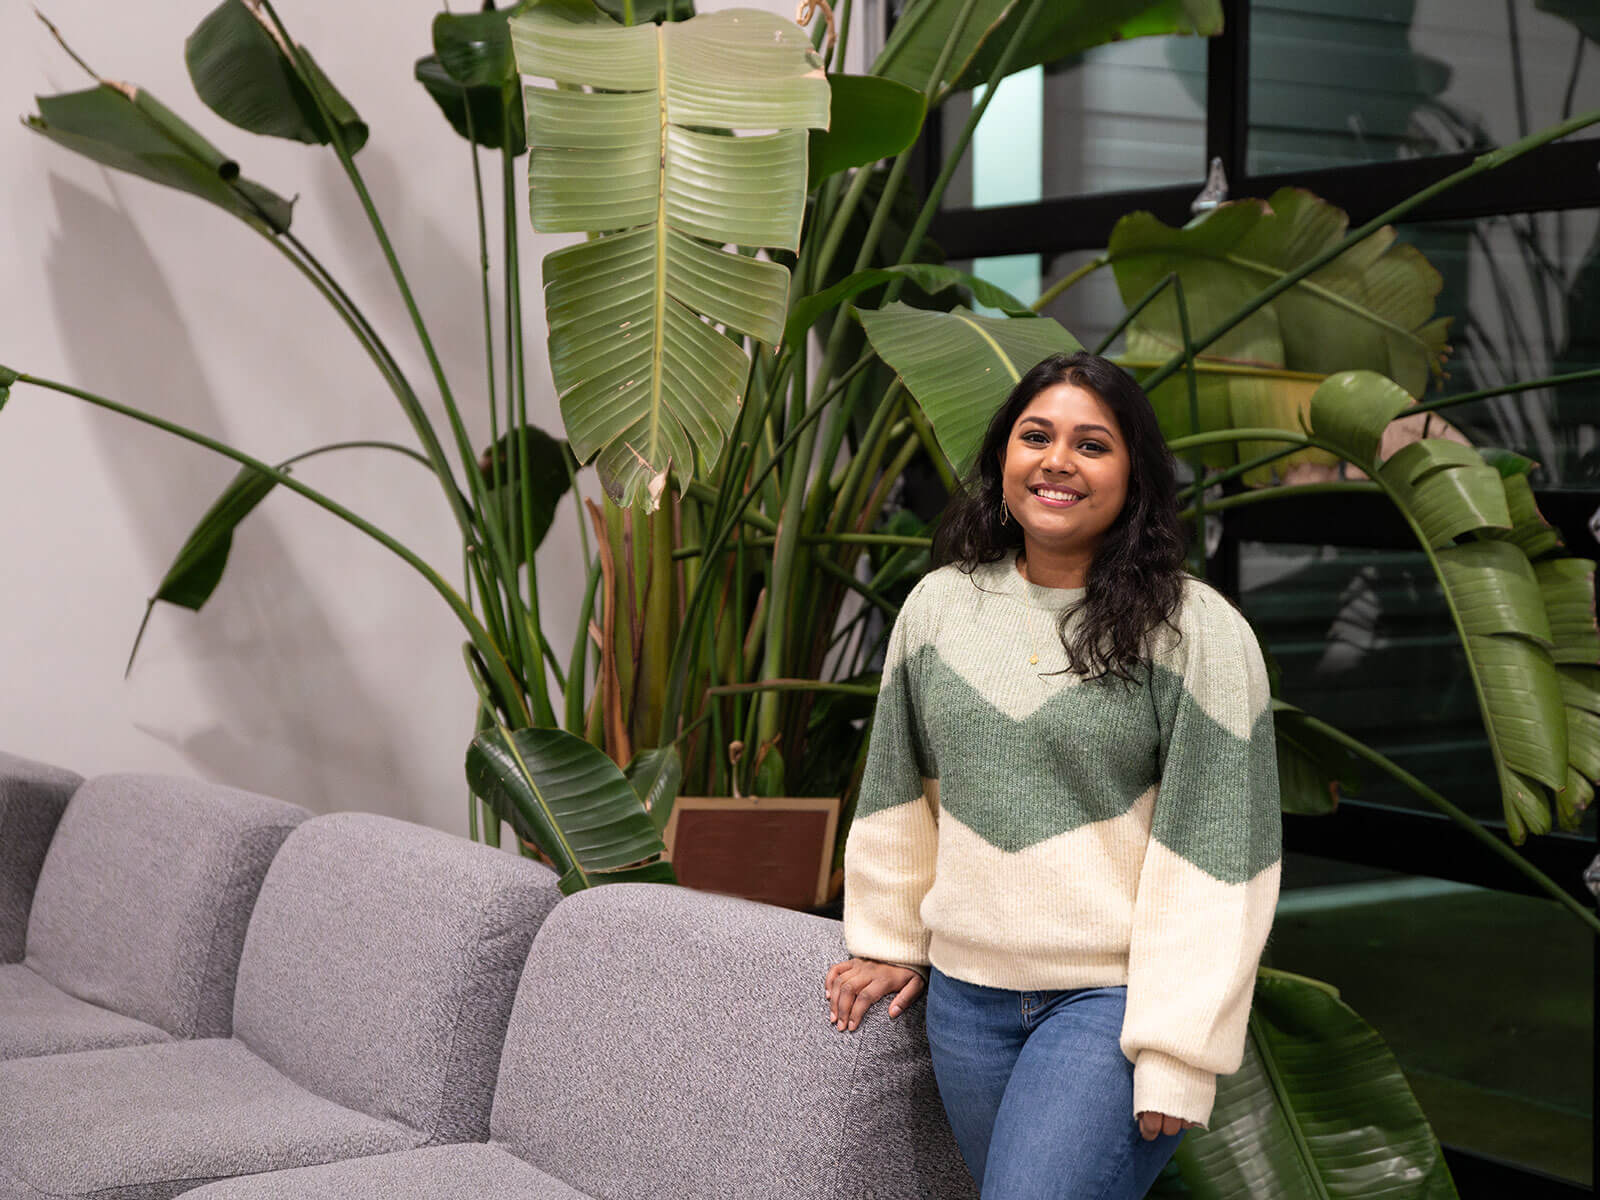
column 1369, row 834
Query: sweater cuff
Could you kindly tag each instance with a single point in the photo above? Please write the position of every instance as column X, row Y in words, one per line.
column 1171, row 1086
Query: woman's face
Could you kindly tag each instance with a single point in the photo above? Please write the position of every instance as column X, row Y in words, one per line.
column 1064, row 471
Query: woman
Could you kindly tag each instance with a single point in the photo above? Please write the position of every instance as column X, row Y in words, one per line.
column 1069, row 822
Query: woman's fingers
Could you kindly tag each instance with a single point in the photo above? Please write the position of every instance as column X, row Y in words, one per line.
column 910, row 992
column 866, row 998
column 1153, row 1124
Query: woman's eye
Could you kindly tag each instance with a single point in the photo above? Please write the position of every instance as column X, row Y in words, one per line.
column 1035, row 439
column 1092, row 447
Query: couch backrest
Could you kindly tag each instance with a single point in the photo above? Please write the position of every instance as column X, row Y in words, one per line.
column 32, row 798
column 381, row 964
column 667, row 1042
column 145, row 894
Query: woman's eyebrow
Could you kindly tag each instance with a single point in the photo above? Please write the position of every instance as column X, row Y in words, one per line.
column 1086, row 428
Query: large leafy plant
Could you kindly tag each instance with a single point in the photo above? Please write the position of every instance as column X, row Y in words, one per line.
column 752, row 346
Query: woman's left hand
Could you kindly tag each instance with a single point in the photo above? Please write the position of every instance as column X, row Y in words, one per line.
column 1153, row 1124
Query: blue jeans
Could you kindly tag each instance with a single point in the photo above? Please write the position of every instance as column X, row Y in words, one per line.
column 1039, row 1093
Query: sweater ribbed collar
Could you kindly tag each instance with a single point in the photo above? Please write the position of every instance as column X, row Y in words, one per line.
column 1002, row 576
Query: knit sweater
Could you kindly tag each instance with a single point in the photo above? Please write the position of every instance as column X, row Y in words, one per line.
column 1030, row 831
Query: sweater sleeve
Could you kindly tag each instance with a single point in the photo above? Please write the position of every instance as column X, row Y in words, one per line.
column 1208, row 886
column 893, row 841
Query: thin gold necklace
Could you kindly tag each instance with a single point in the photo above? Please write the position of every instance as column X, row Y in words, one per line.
column 1027, row 618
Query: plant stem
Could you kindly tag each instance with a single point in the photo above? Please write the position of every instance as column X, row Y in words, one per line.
column 510, row 697
column 1504, row 390
column 359, row 445
column 1461, row 818
column 1261, row 495
column 1068, row 280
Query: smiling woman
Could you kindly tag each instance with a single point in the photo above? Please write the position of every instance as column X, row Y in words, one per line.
column 1078, row 858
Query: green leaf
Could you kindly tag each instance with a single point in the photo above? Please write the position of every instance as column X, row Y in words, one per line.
column 1352, row 409
column 1530, row 532
column 871, row 118
column 200, row 562
column 7, row 378
column 246, row 76
column 1567, row 585
column 127, row 128
column 1371, row 308
column 930, row 277
column 547, row 460
column 489, row 112
column 475, row 48
column 647, row 380
column 656, row 775
column 1320, row 1108
column 959, row 366
column 1062, row 28
column 1313, row 769
column 1495, row 591
column 566, row 797
column 1580, row 687
column 1574, row 799
column 1448, row 488
column 1508, row 462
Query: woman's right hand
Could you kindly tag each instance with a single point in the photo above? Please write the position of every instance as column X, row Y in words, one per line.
column 853, row 987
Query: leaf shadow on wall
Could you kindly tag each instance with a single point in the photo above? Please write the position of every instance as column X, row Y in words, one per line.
column 260, row 693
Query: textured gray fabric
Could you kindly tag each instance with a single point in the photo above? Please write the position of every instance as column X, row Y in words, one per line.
column 667, row 1042
column 36, row 1017
column 381, row 964
column 144, row 897
column 471, row 1171
column 32, row 796
column 148, row 1122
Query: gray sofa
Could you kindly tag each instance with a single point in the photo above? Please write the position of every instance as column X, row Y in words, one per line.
column 139, row 914
column 32, row 798
column 662, row 1043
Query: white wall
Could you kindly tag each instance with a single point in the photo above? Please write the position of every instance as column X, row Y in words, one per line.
column 324, row 670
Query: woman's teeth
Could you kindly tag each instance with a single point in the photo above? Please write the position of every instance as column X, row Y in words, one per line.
column 1056, row 499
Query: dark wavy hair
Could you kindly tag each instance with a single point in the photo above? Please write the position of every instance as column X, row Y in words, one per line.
column 1135, row 580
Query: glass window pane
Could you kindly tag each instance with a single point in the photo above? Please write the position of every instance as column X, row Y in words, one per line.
column 1525, row 293
column 1127, row 115
column 1363, row 640
column 1496, row 1042
column 1334, row 82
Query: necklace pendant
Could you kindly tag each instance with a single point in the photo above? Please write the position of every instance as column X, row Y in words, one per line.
column 1033, row 658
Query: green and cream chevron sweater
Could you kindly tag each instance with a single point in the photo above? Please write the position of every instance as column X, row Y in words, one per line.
column 1027, row 830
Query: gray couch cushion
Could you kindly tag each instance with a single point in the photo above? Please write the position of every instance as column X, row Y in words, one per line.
column 381, row 964
column 144, row 897
column 36, row 1017
column 32, row 797
column 471, row 1171
column 149, row 1122
column 673, row 1043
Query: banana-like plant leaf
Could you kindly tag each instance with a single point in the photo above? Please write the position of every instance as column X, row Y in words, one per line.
column 547, row 460
column 1351, row 409
column 568, row 799
column 1572, row 800
column 1530, row 532
column 1063, row 28
column 125, row 127
column 1230, row 395
column 1580, row 687
column 1370, row 308
column 930, row 277
column 1448, row 488
column 1320, row 1108
column 873, row 118
column 1508, row 462
column 200, row 562
column 646, row 379
column 959, row 366
column 656, row 775
column 247, row 76
column 1494, row 590
column 1581, row 13
column 1314, row 771
column 1567, row 585
column 487, row 127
